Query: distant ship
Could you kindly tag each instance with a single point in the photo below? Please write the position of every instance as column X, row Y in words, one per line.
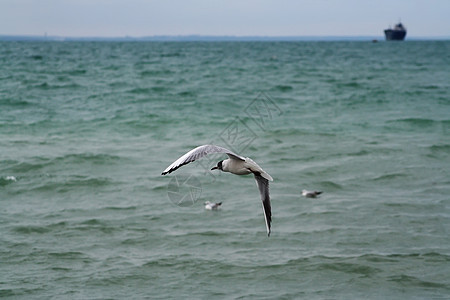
column 396, row 34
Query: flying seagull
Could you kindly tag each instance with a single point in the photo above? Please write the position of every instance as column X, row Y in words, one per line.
column 310, row 194
column 212, row 205
column 235, row 164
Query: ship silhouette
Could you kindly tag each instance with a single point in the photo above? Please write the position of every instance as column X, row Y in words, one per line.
column 397, row 33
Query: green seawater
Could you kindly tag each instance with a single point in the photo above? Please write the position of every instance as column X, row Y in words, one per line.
column 86, row 128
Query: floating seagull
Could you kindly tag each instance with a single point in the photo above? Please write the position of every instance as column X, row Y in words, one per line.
column 212, row 206
column 235, row 164
column 310, row 194
column 10, row 178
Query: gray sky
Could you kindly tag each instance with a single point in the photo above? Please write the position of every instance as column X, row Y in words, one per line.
column 116, row 18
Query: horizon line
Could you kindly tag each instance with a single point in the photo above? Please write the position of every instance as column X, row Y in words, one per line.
column 201, row 37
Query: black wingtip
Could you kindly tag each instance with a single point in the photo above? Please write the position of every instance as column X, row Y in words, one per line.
column 167, row 172
column 268, row 234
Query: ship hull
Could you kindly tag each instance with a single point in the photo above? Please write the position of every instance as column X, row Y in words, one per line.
column 394, row 35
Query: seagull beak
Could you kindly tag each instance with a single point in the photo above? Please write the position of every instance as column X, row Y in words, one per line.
column 214, row 168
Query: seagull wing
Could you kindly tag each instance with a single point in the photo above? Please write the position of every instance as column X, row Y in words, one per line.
column 197, row 153
column 263, row 185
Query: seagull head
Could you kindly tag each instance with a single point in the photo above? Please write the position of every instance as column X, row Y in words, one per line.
column 218, row 167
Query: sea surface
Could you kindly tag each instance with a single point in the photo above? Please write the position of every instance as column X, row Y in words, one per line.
column 86, row 128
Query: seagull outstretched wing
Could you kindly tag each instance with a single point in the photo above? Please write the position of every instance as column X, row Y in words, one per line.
column 263, row 185
column 197, row 153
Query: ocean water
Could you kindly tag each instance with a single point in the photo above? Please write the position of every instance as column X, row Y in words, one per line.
column 86, row 128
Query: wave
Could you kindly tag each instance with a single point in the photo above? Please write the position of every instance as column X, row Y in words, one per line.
column 283, row 88
column 69, row 255
column 359, row 153
column 146, row 91
column 299, row 132
column 352, row 84
column 47, row 86
column 120, row 208
column 118, row 84
column 439, row 150
column 429, row 87
column 346, row 267
column 77, row 72
column 408, row 280
column 95, row 225
column 187, row 94
column 36, row 57
column 92, row 222
column 171, row 54
column 161, row 187
column 99, row 159
column 419, row 122
column 155, row 73
column 389, row 176
column 38, row 163
column 375, row 257
column 67, row 185
column 17, row 103
column 329, row 185
column 139, row 91
column 30, row 229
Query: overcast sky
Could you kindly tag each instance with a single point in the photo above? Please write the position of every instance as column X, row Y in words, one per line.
column 137, row 18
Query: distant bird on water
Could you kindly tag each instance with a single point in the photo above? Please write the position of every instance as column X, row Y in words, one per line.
column 212, row 206
column 310, row 194
column 235, row 164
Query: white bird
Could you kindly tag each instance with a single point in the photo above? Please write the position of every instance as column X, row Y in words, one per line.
column 10, row 178
column 212, row 205
column 310, row 194
column 235, row 164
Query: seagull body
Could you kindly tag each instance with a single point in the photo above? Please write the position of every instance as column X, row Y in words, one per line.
column 235, row 164
column 10, row 178
column 212, row 206
column 311, row 194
